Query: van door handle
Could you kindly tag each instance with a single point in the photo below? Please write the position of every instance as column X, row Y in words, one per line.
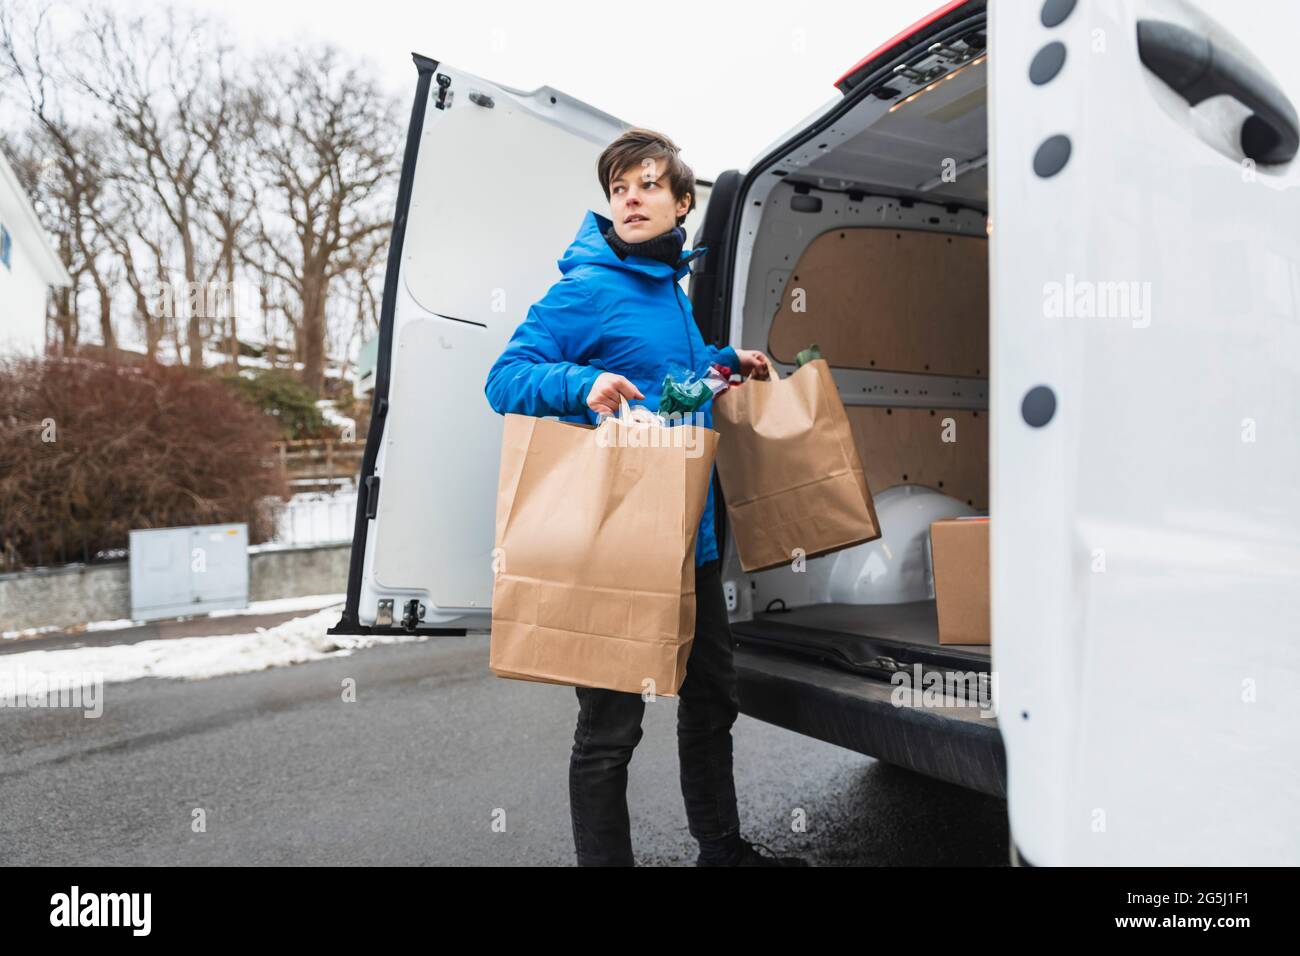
column 1195, row 68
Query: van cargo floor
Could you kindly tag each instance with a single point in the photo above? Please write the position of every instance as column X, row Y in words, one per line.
column 869, row 638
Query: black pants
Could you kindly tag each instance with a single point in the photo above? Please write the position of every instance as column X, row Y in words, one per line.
column 609, row 728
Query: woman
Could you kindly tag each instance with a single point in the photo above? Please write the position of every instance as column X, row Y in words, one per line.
column 608, row 331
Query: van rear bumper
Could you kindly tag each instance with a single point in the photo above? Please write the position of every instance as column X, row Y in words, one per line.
column 953, row 744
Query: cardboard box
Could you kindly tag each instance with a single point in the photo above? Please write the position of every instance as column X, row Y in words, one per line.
column 959, row 548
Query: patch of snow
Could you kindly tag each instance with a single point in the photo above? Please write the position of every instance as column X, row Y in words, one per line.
column 346, row 426
column 110, row 625
column 309, row 602
column 28, row 632
column 296, row 641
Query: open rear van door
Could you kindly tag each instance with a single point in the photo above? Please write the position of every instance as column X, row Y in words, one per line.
column 1145, row 446
column 495, row 183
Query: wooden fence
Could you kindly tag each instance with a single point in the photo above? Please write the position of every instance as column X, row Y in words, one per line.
column 320, row 463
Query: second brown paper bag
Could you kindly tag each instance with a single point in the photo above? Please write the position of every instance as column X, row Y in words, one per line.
column 790, row 472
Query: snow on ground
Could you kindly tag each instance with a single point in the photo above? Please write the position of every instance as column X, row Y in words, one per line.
column 331, row 414
column 30, row 632
column 295, row 641
column 310, row 602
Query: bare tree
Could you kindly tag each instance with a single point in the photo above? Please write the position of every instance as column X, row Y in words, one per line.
column 59, row 166
column 156, row 157
column 362, row 297
column 227, row 194
column 163, row 83
column 144, row 242
column 326, row 146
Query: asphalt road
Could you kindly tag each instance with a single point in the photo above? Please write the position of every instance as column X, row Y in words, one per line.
column 416, row 770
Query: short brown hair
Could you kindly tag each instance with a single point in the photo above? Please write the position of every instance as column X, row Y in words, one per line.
column 637, row 144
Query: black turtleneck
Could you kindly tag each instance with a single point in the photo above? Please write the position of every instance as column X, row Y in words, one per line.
column 666, row 247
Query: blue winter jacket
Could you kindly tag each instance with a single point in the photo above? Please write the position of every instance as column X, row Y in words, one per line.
column 606, row 314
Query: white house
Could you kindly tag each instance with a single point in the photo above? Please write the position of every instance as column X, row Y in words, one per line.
column 28, row 269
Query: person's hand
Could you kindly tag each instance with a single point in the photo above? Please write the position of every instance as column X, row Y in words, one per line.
column 753, row 362
column 606, row 390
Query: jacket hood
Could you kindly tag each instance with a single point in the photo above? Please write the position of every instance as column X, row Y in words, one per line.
column 589, row 247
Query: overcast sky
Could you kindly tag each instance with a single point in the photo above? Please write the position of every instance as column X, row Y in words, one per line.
column 722, row 79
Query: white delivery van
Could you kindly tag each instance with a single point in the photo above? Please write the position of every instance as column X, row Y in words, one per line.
column 1052, row 253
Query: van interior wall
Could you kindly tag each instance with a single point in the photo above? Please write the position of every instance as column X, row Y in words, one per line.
column 895, row 294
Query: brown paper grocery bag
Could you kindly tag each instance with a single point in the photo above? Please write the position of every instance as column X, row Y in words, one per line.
column 594, row 579
column 789, row 469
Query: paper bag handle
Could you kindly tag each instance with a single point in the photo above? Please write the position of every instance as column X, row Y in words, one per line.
column 773, row 373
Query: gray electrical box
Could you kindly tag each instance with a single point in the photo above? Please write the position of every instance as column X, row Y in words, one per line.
column 177, row 571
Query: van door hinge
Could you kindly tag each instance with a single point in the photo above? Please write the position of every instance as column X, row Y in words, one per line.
column 372, row 495
column 413, row 614
column 444, row 91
